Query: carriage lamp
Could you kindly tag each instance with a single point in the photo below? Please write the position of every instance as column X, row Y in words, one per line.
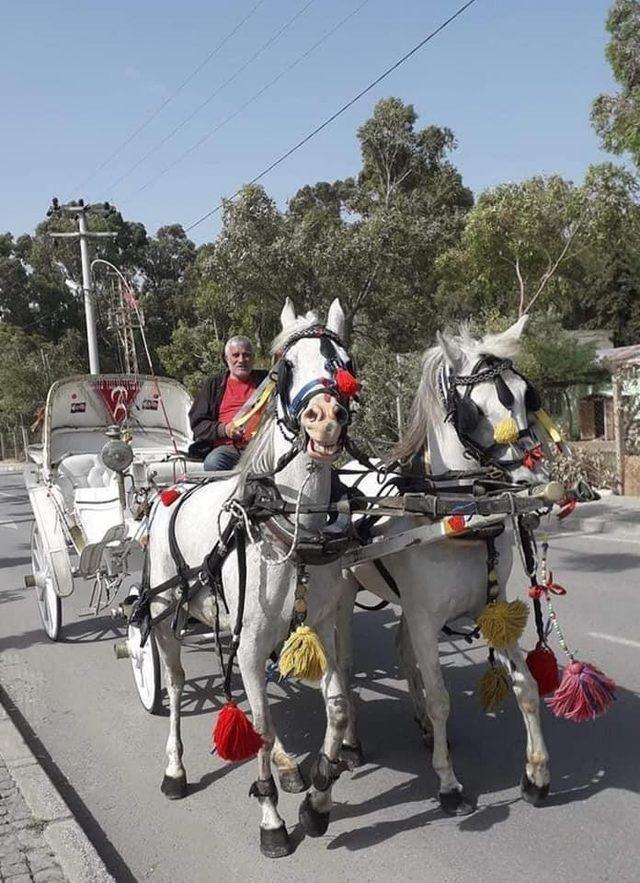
column 116, row 455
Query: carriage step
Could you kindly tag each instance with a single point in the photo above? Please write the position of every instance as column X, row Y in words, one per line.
column 30, row 581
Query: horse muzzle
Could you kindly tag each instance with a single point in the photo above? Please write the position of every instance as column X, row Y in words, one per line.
column 324, row 421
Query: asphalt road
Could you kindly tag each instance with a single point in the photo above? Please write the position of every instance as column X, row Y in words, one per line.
column 106, row 753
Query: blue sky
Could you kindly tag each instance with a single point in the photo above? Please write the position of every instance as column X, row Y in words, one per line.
column 514, row 80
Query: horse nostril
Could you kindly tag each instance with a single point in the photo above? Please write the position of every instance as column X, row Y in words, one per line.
column 340, row 415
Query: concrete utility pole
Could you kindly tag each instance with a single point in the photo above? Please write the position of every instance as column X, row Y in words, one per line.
column 80, row 210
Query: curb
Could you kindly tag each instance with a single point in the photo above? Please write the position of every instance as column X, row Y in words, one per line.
column 73, row 850
column 7, row 470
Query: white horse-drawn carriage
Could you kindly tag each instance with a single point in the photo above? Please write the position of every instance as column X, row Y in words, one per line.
column 110, row 444
column 273, row 545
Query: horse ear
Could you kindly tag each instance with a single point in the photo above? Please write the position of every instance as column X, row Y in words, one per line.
column 506, row 343
column 288, row 314
column 450, row 350
column 514, row 332
column 336, row 320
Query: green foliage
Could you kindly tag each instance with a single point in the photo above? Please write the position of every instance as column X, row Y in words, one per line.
column 549, row 356
column 616, row 118
column 29, row 366
column 385, row 377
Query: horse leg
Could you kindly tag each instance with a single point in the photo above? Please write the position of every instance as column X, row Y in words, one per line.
column 425, row 644
column 174, row 783
column 274, row 839
column 351, row 750
column 411, row 671
column 289, row 774
column 536, row 778
column 315, row 808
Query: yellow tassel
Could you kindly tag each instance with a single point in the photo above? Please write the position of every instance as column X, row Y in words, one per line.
column 303, row 655
column 506, row 432
column 502, row 622
column 494, row 686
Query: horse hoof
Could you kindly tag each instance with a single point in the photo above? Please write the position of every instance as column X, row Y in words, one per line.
column 175, row 788
column 315, row 823
column 274, row 842
column 292, row 781
column 456, row 803
column 352, row 755
column 532, row 793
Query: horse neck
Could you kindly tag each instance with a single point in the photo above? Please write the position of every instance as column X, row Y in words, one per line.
column 315, row 476
column 446, row 452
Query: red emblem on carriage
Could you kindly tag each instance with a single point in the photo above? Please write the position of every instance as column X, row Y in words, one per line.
column 118, row 396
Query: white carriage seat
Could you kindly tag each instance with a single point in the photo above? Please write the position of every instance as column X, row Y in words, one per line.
column 97, row 509
column 92, row 490
column 85, row 470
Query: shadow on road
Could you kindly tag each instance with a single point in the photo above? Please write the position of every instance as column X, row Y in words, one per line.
column 488, row 750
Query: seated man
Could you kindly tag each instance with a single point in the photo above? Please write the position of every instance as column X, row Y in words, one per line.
column 219, row 400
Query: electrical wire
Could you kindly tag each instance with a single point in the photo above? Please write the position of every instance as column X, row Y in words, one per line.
column 213, row 95
column 335, row 115
column 172, row 95
column 249, row 101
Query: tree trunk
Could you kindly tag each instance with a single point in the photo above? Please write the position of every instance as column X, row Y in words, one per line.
column 618, row 432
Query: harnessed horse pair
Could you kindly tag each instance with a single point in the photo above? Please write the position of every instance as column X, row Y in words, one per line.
column 288, row 571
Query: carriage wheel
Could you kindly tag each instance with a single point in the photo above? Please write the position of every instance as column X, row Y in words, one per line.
column 146, row 669
column 49, row 603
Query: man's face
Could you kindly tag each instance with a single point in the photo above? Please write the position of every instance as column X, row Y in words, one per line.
column 239, row 358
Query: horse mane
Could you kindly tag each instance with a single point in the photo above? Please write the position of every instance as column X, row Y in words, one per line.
column 428, row 401
column 302, row 323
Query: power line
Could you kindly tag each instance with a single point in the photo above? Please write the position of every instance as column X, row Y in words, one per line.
column 253, row 98
column 172, row 95
column 210, row 98
column 338, row 113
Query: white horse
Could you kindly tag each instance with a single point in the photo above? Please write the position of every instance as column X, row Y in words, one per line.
column 467, row 389
column 310, row 413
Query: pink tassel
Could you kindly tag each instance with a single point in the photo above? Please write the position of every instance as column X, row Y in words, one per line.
column 584, row 693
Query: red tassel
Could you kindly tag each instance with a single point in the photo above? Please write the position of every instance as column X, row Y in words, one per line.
column 543, row 665
column 532, row 456
column 566, row 508
column 169, row 496
column 346, row 383
column 233, row 735
column 584, row 694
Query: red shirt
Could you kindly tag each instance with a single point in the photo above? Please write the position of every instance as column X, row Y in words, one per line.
column 236, row 393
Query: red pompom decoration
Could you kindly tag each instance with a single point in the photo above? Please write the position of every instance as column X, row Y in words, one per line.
column 346, row 383
column 543, row 665
column 169, row 496
column 456, row 523
column 584, row 693
column 233, row 736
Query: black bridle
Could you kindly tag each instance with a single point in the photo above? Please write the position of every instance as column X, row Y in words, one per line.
column 292, row 409
column 465, row 415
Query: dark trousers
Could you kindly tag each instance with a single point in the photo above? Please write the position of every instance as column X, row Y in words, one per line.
column 221, row 459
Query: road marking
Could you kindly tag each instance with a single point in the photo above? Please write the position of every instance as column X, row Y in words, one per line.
column 626, row 641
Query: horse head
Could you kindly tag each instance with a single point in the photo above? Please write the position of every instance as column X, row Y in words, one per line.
column 315, row 381
column 473, row 407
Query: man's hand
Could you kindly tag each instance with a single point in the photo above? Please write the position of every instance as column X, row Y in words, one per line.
column 234, row 432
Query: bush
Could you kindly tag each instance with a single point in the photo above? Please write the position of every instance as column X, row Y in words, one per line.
column 590, row 466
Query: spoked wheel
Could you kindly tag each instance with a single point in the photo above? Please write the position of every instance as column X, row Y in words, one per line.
column 145, row 662
column 49, row 603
